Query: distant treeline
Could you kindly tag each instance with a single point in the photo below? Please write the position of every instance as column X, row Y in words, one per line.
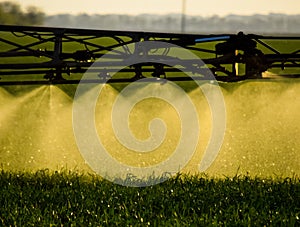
column 12, row 14
column 272, row 23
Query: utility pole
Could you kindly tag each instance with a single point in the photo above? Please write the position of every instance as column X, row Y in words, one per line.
column 183, row 15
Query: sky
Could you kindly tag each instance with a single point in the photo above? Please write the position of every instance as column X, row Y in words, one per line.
column 193, row 7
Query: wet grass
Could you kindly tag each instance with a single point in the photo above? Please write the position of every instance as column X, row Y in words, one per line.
column 46, row 198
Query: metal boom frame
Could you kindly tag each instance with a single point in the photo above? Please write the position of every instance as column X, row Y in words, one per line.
column 45, row 55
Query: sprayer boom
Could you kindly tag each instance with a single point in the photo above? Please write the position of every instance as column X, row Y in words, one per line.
column 45, row 55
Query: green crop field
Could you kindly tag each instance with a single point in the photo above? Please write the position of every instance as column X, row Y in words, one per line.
column 72, row 199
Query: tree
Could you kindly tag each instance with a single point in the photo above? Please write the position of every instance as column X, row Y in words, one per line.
column 12, row 14
column 34, row 16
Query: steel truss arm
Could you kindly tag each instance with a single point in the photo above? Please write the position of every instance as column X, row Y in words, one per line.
column 43, row 55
